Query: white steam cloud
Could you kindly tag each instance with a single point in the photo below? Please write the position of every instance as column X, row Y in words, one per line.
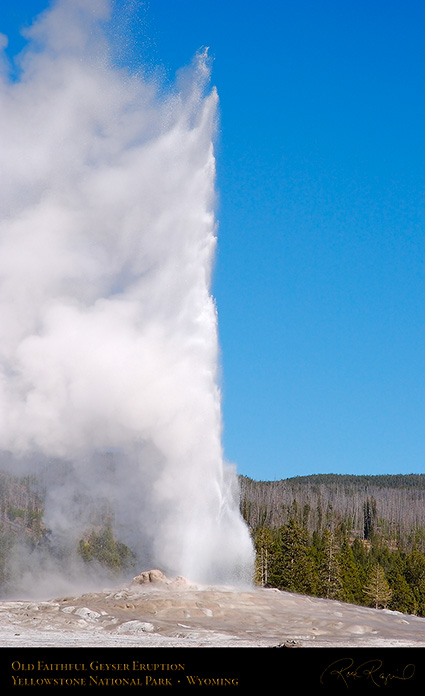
column 108, row 331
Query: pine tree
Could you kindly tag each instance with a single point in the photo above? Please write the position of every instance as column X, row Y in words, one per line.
column 330, row 582
column 351, row 590
column 403, row 598
column 306, row 515
column 293, row 568
column 377, row 588
column 360, row 552
column 369, row 515
column 415, row 576
column 265, row 552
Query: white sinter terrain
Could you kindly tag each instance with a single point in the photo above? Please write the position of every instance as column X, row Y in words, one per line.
column 177, row 613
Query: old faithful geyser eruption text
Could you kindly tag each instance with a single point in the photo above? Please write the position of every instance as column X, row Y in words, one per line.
column 108, row 331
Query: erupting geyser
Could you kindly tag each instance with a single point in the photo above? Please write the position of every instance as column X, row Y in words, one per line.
column 108, row 331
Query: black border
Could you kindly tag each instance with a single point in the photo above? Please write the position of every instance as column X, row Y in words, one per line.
column 211, row 670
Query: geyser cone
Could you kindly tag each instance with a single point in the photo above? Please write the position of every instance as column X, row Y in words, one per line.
column 108, row 331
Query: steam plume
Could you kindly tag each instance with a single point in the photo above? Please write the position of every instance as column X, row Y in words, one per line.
column 108, row 331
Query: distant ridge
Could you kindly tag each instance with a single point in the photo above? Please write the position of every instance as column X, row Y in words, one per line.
column 383, row 480
column 396, row 501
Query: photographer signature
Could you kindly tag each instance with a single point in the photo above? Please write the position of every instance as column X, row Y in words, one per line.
column 346, row 670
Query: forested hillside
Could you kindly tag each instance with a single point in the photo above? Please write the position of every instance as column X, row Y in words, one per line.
column 392, row 505
column 358, row 539
column 23, row 532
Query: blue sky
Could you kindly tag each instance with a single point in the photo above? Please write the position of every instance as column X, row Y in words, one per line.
column 319, row 278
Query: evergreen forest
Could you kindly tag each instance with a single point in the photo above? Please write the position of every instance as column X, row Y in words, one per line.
column 357, row 539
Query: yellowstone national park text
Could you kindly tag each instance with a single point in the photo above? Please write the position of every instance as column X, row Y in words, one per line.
column 97, row 673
